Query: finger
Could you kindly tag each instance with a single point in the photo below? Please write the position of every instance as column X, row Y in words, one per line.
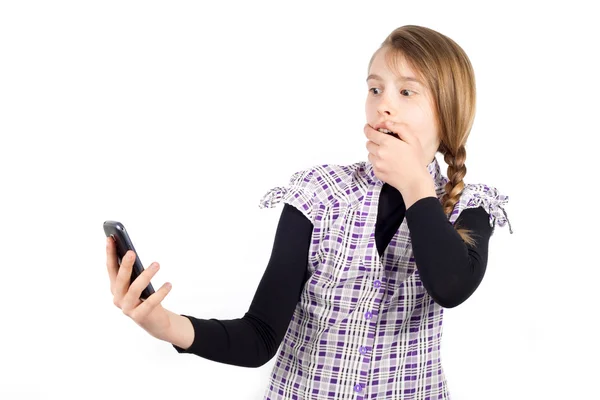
column 132, row 297
column 112, row 264
column 124, row 275
column 374, row 135
column 372, row 148
column 402, row 134
column 372, row 159
column 151, row 302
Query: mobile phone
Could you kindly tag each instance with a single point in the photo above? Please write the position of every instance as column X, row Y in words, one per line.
column 123, row 243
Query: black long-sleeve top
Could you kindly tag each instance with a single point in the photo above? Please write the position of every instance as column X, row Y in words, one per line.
column 449, row 269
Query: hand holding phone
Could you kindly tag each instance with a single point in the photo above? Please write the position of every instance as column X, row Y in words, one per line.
column 130, row 283
column 123, row 243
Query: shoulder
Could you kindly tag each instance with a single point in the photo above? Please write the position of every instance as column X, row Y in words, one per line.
column 339, row 183
column 488, row 197
column 329, row 182
column 322, row 183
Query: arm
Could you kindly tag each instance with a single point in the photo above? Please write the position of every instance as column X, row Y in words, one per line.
column 252, row 340
column 182, row 331
column 450, row 269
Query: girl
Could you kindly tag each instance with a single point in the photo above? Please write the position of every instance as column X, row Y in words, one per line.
column 366, row 256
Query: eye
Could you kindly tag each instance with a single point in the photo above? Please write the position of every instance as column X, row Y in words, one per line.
column 403, row 90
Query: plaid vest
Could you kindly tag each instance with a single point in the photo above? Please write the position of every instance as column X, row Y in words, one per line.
column 365, row 327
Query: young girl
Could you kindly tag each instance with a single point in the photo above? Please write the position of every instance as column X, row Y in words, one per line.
column 366, row 256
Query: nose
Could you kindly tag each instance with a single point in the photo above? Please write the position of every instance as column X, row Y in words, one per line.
column 385, row 111
column 385, row 107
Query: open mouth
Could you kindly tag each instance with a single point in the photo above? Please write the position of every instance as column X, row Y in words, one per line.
column 388, row 132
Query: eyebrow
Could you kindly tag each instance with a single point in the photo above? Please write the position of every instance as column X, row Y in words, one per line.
column 401, row 78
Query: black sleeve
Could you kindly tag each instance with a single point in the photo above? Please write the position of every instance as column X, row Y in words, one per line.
column 251, row 341
column 450, row 269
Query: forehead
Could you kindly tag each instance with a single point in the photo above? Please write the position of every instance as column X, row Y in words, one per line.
column 393, row 66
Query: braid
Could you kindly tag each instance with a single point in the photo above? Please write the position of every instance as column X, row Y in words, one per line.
column 455, row 186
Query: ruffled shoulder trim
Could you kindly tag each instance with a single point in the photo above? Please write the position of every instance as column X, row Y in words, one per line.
column 488, row 197
column 299, row 192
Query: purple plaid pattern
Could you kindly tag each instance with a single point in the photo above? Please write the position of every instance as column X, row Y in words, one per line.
column 365, row 327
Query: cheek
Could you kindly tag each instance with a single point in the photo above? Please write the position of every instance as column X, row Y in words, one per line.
column 413, row 119
column 421, row 125
column 369, row 103
column 370, row 110
column 422, row 119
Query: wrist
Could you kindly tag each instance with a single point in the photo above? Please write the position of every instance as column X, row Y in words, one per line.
column 419, row 189
column 181, row 332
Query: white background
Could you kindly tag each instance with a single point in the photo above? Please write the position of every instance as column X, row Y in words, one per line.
column 175, row 118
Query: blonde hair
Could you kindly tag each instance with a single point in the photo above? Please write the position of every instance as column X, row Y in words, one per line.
column 447, row 72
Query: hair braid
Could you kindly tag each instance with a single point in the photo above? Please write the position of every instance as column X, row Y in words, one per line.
column 455, row 186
